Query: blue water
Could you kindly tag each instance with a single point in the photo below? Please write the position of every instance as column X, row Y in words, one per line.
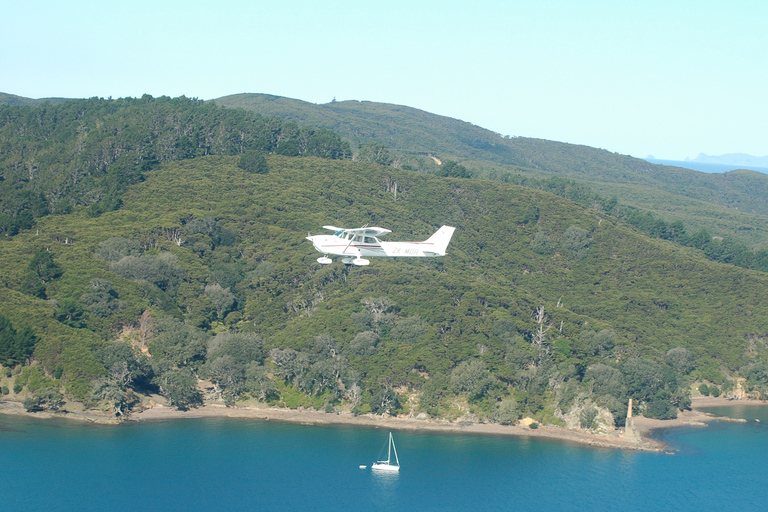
column 235, row 464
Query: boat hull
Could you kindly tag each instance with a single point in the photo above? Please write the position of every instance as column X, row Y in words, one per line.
column 384, row 467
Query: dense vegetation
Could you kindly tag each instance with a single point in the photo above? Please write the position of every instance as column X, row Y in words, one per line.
column 721, row 249
column 730, row 205
column 200, row 286
column 54, row 157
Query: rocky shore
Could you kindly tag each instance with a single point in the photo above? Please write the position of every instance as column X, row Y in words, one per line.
column 615, row 439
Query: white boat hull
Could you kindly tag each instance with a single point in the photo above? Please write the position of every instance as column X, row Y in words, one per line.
column 384, row 467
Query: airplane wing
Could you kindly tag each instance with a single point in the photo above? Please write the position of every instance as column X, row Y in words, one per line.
column 369, row 231
column 333, row 228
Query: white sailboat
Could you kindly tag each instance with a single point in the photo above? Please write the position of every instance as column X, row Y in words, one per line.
column 387, row 465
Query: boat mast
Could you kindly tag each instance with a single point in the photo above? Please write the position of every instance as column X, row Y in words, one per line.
column 395, row 450
column 389, row 448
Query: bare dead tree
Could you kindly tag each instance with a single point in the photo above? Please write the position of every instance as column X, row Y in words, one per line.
column 390, row 185
column 539, row 335
column 173, row 235
column 145, row 327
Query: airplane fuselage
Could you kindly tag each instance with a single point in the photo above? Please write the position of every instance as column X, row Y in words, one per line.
column 354, row 245
column 330, row 244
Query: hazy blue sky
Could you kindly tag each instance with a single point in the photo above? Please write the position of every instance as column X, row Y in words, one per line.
column 668, row 78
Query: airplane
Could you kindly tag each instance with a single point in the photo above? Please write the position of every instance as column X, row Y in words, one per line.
column 353, row 244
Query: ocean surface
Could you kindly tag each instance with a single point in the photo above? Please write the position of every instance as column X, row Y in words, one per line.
column 238, row 464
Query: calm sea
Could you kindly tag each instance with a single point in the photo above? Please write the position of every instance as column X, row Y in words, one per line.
column 235, row 464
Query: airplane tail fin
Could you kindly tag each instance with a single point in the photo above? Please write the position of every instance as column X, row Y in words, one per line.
column 441, row 239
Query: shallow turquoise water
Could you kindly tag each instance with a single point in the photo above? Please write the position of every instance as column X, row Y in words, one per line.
column 234, row 464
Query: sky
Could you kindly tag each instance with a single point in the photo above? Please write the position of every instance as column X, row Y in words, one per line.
column 666, row 78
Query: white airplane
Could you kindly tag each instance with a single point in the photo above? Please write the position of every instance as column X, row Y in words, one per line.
column 353, row 244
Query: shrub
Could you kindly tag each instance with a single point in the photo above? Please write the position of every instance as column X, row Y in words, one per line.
column 102, row 301
column 46, row 399
column 253, row 162
column 408, row 329
column 364, row 344
column 575, row 242
column 542, row 244
column 471, row 377
column 506, row 411
column 681, row 360
column 163, row 270
column 115, row 248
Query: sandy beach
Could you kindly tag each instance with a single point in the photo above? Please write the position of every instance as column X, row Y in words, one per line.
column 615, row 439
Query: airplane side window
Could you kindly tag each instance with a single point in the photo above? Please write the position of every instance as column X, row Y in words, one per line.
column 369, row 240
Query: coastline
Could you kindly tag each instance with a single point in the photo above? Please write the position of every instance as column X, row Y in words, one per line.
column 615, row 439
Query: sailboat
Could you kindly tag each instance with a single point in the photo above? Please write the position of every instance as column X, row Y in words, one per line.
column 386, row 465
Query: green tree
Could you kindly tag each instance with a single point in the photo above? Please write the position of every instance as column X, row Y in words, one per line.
column 376, row 153
column 253, row 161
column 179, row 387
column 258, row 383
column 681, row 360
column 227, row 376
column 42, row 270
column 102, row 301
column 364, row 344
column 178, row 342
column 506, row 412
column 243, row 347
column 575, row 242
column 451, row 169
column 45, row 267
column 45, row 399
column 543, row 244
column 162, row 270
column 16, row 347
column 532, row 214
column 116, row 248
column 222, row 299
column 71, row 313
column 110, row 391
column 385, row 401
column 471, row 377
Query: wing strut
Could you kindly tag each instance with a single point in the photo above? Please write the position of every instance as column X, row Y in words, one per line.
column 351, row 238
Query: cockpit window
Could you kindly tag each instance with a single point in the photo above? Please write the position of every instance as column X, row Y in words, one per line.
column 369, row 240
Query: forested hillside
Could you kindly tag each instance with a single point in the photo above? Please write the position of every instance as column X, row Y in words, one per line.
column 12, row 99
column 201, row 285
column 54, row 157
column 733, row 204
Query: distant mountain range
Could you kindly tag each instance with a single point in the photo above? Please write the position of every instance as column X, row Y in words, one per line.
column 732, row 159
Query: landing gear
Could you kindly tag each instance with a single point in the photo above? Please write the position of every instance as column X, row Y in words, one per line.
column 325, row 260
column 360, row 262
